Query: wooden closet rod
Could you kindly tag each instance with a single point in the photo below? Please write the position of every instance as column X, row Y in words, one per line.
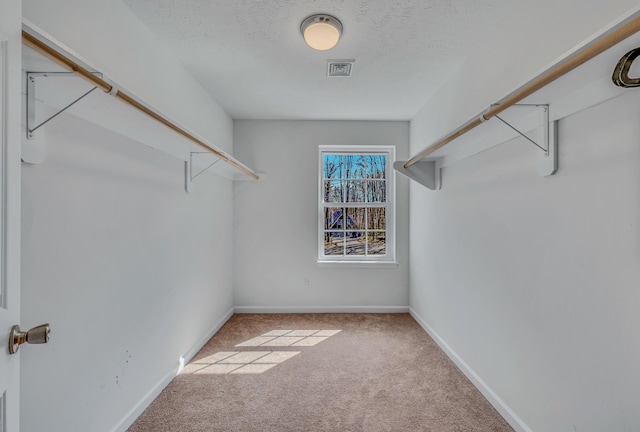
column 58, row 57
column 566, row 65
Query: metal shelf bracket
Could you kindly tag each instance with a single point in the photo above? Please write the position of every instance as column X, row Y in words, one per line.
column 189, row 175
column 32, row 127
column 548, row 159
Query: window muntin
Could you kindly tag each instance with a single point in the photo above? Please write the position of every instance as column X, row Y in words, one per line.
column 356, row 217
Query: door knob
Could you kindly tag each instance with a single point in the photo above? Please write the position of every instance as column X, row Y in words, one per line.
column 37, row 335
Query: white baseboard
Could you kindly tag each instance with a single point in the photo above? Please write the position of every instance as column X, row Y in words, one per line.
column 516, row 422
column 169, row 376
column 320, row 309
column 188, row 356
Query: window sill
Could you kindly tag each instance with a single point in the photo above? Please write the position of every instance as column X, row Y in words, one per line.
column 358, row 264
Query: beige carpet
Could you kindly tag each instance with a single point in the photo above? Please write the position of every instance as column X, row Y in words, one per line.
column 320, row 372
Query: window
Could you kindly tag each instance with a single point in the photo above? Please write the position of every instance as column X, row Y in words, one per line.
column 356, row 204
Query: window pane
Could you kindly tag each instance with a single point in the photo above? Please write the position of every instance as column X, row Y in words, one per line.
column 355, row 191
column 377, row 191
column 356, row 243
column 376, row 219
column 333, row 191
column 333, row 218
column 332, row 166
column 354, row 166
column 377, row 244
column 333, row 243
column 376, row 166
column 356, row 218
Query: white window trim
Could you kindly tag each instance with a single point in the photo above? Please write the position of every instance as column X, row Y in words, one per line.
column 358, row 264
column 373, row 261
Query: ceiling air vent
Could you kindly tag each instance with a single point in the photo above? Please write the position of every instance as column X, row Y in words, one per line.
column 339, row 68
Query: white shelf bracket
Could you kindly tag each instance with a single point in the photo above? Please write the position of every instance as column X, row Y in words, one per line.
column 548, row 157
column 548, row 162
column 189, row 175
column 32, row 127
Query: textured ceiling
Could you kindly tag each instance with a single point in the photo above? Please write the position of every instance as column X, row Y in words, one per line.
column 250, row 55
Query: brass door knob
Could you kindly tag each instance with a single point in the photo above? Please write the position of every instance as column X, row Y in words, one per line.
column 37, row 335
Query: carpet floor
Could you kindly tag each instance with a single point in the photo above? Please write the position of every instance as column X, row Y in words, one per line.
column 320, row 372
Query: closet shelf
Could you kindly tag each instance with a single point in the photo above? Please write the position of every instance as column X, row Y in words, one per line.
column 121, row 113
column 578, row 81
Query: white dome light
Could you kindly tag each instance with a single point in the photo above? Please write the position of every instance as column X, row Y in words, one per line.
column 321, row 32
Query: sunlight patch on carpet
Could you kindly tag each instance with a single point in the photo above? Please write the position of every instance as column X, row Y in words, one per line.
column 256, row 341
column 244, row 357
column 310, row 341
column 238, row 362
column 283, row 341
column 257, row 362
column 253, row 369
column 283, row 338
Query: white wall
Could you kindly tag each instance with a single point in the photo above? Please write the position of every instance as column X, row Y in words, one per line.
column 532, row 283
column 131, row 272
column 275, row 229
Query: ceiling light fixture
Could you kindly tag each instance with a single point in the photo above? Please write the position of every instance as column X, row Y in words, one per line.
column 321, row 31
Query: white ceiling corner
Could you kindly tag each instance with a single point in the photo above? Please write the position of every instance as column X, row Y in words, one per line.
column 250, row 56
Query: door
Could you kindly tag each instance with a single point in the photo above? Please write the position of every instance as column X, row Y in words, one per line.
column 10, row 108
